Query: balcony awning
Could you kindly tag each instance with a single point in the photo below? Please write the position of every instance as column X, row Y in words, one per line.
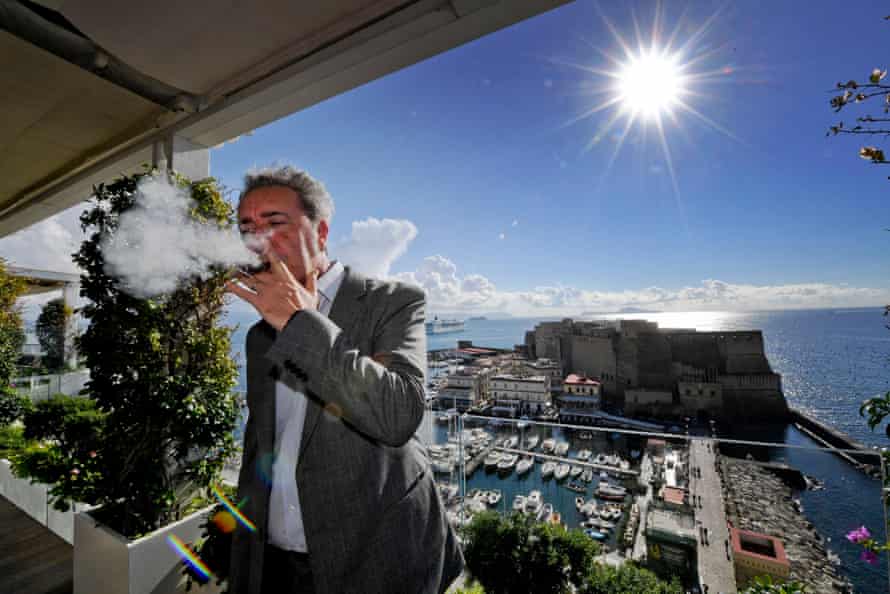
column 92, row 89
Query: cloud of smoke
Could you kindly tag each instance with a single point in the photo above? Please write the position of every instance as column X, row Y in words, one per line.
column 157, row 245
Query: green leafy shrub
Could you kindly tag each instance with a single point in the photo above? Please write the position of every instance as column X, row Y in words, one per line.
column 161, row 379
column 516, row 554
column 765, row 585
column 12, row 406
column 12, row 441
column 627, row 579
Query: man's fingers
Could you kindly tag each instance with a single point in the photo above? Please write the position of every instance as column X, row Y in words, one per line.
column 311, row 279
column 239, row 291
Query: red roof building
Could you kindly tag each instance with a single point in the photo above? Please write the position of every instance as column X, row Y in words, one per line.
column 756, row 554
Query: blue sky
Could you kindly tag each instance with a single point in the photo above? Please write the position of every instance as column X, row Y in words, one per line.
column 430, row 165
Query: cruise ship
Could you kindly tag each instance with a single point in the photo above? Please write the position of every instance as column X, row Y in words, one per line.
column 437, row 326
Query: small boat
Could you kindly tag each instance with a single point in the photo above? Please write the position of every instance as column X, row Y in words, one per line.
column 511, row 442
column 577, row 487
column 519, row 503
column 534, row 506
column 532, row 442
column 524, row 465
column 494, row 497
column 585, row 435
column 587, row 475
column 594, row 534
column 548, row 469
column 600, row 459
column 548, row 445
column 546, row 512
column 579, row 503
column 492, row 460
column 507, row 463
column 584, row 455
column 610, row 492
column 561, row 472
column 562, row 448
column 575, row 471
column 589, row 508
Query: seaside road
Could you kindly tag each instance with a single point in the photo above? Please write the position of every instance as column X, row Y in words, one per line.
column 714, row 569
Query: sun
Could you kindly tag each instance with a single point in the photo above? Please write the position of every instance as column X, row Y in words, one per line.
column 650, row 84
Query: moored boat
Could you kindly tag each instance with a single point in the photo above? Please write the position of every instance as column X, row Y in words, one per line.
column 562, row 448
column 524, row 465
column 575, row 471
column 548, row 469
column 519, row 503
column 548, row 445
column 610, row 492
column 492, row 460
column 561, row 472
column 532, row 442
column 507, row 463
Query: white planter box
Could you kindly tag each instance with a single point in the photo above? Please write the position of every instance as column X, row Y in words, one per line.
column 28, row 497
column 106, row 562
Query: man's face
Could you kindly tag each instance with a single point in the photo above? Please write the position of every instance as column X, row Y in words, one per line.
column 276, row 211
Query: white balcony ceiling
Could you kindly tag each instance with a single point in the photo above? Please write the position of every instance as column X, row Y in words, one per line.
column 204, row 70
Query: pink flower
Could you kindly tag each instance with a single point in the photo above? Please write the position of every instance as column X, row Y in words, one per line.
column 92, row 454
column 869, row 557
column 75, row 471
column 859, row 535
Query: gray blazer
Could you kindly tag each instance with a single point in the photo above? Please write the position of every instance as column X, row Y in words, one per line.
column 373, row 518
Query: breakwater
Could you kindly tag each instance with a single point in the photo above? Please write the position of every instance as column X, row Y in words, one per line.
column 759, row 501
column 856, row 453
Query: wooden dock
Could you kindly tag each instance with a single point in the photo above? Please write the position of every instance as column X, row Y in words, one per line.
column 33, row 560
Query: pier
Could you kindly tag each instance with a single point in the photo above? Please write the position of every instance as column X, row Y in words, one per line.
column 572, row 461
column 837, row 441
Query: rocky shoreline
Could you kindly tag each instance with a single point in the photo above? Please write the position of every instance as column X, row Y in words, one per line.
column 758, row 500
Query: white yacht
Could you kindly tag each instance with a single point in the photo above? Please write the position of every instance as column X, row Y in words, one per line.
column 575, row 471
column 494, row 497
column 532, row 442
column 519, row 503
column 437, row 326
column 587, row 475
column 534, row 505
column 548, row 469
column 507, row 463
column 511, row 442
column 562, row 448
column 584, row 455
column 492, row 460
column 548, row 445
column 524, row 465
column 561, row 472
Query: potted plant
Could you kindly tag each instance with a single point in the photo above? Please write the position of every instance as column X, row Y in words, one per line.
column 162, row 380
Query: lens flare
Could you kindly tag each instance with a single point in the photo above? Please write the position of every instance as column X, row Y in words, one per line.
column 233, row 509
column 650, row 84
column 189, row 557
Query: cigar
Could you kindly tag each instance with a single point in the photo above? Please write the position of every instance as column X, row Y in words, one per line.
column 254, row 269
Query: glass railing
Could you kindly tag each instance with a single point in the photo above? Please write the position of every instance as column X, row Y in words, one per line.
column 713, row 508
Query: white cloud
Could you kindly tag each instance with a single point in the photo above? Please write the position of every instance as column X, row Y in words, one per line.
column 375, row 244
column 502, row 236
column 515, row 222
column 449, row 291
column 47, row 245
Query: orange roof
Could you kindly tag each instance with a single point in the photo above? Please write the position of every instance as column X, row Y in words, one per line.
column 674, row 495
column 580, row 380
column 778, row 548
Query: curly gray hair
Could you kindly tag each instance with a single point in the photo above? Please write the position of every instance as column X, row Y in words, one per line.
column 314, row 198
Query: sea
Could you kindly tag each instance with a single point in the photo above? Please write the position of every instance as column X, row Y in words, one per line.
column 830, row 361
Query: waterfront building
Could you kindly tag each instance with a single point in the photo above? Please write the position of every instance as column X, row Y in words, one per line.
column 544, row 366
column 674, row 498
column 755, row 554
column 513, row 394
column 630, row 355
column 580, row 401
column 671, row 543
column 465, row 387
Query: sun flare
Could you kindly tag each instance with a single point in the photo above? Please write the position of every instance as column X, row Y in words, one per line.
column 650, row 84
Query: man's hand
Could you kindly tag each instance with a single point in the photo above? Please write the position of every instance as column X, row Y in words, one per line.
column 276, row 294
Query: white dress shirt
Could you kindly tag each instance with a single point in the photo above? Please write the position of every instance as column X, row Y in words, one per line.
column 285, row 515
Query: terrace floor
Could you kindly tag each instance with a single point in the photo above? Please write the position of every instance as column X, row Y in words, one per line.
column 33, row 560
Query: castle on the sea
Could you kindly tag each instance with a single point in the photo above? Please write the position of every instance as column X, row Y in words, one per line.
column 657, row 372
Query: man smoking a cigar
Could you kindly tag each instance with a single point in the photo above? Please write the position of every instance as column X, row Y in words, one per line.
column 338, row 486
